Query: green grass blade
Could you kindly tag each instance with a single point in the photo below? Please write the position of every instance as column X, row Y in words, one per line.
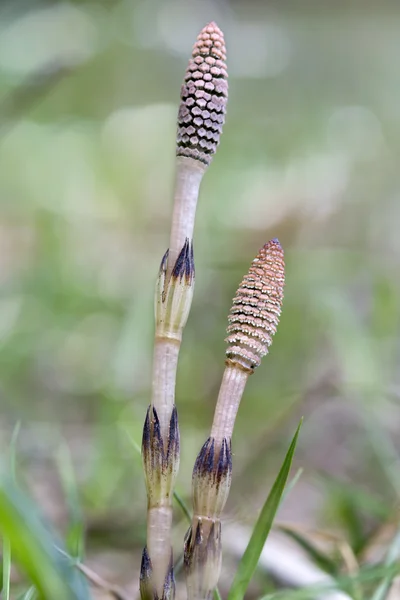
column 342, row 582
column 6, row 568
column 392, row 556
column 217, row 595
column 290, row 486
column 75, row 535
column 183, row 506
column 33, row 547
column 29, row 594
column 134, row 443
column 250, row 558
column 13, row 451
column 325, row 562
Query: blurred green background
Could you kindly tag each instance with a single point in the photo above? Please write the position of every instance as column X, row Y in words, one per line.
column 310, row 154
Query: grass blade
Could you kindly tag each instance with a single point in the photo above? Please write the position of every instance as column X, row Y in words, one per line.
column 363, row 500
column 392, row 556
column 182, row 504
column 321, row 591
column 290, row 486
column 29, row 594
column 75, row 535
column 318, row 557
column 6, row 568
column 33, row 547
column 217, row 595
column 13, row 451
column 250, row 558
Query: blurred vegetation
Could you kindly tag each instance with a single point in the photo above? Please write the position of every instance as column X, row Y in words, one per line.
column 88, row 101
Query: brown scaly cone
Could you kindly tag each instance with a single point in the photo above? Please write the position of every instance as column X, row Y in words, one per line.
column 204, row 97
column 256, row 309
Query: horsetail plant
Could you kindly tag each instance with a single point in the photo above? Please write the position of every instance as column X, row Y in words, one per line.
column 200, row 119
column 253, row 321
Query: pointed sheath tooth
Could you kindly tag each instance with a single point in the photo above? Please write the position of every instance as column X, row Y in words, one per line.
column 152, row 455
column 256, row 309
column 160, row 285
column 212, row 477
column 184, row 265
column 202, row 558
column 169, row 584
column 204, row 97
column 160, row 466
column 174, row 295
column 146, row 585
column 173, row 450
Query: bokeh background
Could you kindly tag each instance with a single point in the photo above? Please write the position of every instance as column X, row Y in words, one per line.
column 309, row 153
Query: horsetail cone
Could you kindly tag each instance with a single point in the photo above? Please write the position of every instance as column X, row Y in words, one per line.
column 256, row 309
column 204, row 97
column 253, row 321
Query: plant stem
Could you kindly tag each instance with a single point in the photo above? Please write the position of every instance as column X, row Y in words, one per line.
column 189, row 173
column 232, row 387
column 165, row 363
column 200, row 119
column 253, row 320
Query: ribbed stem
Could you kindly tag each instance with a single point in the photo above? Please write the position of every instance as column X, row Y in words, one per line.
column 202, row 558
column 160, row 445
column 189, row 173
column 232, row 387
column 165, row 363
column 211, row 482
column 160, row 451
column 159, row 522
